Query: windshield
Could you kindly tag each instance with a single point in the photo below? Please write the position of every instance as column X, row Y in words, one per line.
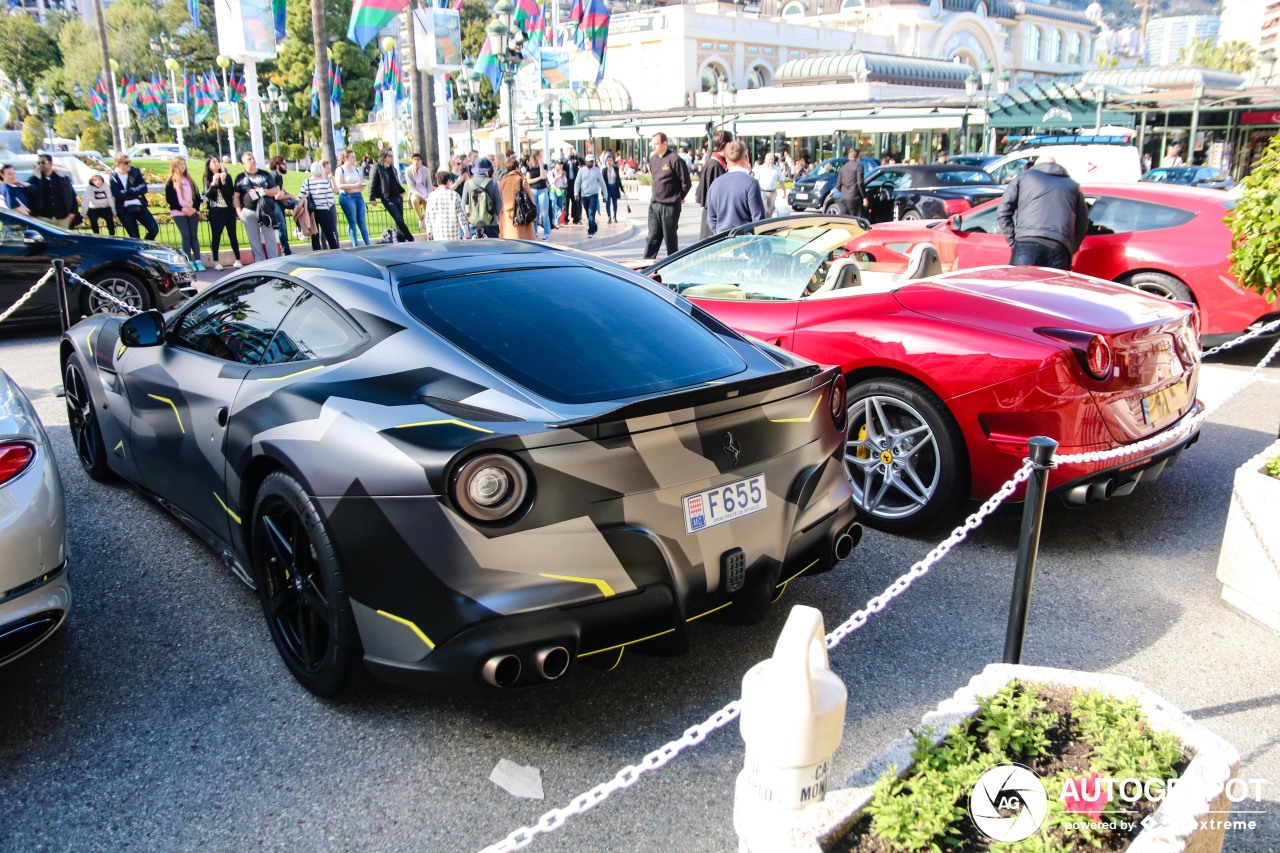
column 783, row 264
column 571, row 334
column 830, row 167
column 12, row 219
column 963, row 176
column 1171, row 176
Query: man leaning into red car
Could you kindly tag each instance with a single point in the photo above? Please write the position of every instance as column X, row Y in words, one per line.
column 1043, row 216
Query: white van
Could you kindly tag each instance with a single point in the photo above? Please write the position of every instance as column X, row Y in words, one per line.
column 1087, row 163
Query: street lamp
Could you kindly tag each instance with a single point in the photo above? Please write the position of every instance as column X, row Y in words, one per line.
column 167, row 46
column 277, row 109
column 1267, row 63
column 224, row 62
column 42, row 95
column 505, row 42
column 470, row 78
column 719, row 90
column 78, row 93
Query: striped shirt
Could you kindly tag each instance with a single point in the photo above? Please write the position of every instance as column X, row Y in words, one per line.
column 446, row 220
column 321, row 192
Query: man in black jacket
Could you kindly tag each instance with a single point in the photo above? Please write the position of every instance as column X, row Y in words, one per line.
column 671, row 183
column 571, row 168
column 386, row 188
column 50, row 194
column 1044, row 217
column 715, row 166
column 849, row 184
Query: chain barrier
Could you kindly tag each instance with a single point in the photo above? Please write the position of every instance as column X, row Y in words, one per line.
column 1267, row 329
column 104, row 295
column 660, row 757
column 26, row 296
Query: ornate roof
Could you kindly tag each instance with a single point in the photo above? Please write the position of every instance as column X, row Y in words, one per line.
column 1170, row 77
column 871, row 67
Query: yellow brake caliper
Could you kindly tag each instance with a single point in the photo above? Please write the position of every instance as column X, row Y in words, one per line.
column 862, row 452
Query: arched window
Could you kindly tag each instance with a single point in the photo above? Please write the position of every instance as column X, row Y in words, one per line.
column 851, row 5
column 758, row 77
column 712, row 75
column 793, row 8
column 1033, row 44
column 1054, row 53
column 1073, row 49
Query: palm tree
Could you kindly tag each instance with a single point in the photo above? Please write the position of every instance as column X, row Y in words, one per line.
column 320, row 38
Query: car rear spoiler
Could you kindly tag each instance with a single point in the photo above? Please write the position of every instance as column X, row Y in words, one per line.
column 703, row 395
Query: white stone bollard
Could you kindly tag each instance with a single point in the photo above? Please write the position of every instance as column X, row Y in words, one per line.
column 792, row 720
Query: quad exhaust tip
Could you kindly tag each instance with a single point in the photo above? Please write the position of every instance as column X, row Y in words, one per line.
column 552, row 662
column 501, row 670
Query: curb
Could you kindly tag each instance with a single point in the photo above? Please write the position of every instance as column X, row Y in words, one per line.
column 600, row 241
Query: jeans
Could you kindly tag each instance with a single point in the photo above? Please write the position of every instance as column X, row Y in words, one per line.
column 189, row 228
column 132, row 215
column 282, row 218
column 542, row 198
column 353, row 209
column 664, row 220
column 591, row 204
column 262, row 238
column 1028, row 253
column 557, row 206
column 98, row 214
column 326, row 236
column 611, row 194
column 220, row 219
column 395, row 206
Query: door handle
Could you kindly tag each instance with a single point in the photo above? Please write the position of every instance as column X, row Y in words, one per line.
column 222, row 417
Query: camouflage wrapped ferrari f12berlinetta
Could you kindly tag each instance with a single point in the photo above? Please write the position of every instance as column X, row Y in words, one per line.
column 472, row 464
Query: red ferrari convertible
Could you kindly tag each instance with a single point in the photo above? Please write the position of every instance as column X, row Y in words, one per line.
column 1166, row 240
column 950, row 374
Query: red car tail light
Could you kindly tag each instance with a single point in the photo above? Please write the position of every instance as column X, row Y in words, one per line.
column 15, row 457
column 1091, row 349
column 839, row 402
column 953, row 206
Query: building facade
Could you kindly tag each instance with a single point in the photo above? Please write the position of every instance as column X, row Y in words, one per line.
column 1167, row 38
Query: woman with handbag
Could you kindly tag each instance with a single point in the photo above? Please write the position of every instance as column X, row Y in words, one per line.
column 184, row 206
column 539, row 182
column 317, row 190
column 512, row 186
column 350, row 183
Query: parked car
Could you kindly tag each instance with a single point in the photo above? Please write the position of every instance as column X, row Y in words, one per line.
column 35, row 595
column 1166, row 240
column 142, row 274
column 1205, row 177
column 980, row 161
column 515, row 492
column 157, row 150
column 927, row 192
column 950, row 374
column 813, row 190
column 1088, row 159
column 80, row 166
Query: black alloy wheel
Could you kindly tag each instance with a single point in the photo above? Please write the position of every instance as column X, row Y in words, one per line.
column 301, row 589
column 86, row 432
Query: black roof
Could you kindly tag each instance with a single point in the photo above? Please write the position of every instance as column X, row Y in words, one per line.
column 930, row 168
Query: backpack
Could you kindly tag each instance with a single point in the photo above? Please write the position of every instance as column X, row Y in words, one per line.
column 526, row 211
column 481, row 205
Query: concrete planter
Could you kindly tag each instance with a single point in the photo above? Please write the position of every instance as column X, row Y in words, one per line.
column 1175, row 826
column 1249, row 562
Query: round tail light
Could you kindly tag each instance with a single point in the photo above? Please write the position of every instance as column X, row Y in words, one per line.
column 839, row 402
column 490, row 487
column 1097, row 358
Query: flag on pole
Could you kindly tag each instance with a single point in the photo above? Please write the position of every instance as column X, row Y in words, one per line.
column 532, row 23
column 335, row 84
column 211, row 85
column 98, row 99
column 487, row 64
column 457, row 4
column 368, row 17
column 204, row 100
column 593, row 29
column 193, row 9
column 575, row 20
column 277, row 11
column 315, row 93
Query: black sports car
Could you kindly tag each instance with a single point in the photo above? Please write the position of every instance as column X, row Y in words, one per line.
column 470, row 464
column 813, row 191
column 144, row 275
column 927, row 192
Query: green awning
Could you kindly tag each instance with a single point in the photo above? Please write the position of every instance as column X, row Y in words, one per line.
column 1055, row 117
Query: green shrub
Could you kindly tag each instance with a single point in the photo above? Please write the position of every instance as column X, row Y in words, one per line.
column 32, row 133
column 1255, row 227
column 274, row 149
column 645, row 180
column 196, row 154
column 297, row 152
column 1273, row 467
column 96, row 137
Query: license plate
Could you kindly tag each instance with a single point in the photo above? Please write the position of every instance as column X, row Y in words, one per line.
column 1165, row 402
column 724, row 503
column 802, row 196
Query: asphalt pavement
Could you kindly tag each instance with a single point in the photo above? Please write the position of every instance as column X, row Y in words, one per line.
column 161, row 717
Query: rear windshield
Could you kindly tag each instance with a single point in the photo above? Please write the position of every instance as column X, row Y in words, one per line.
column 570, row 334
column 976, row 176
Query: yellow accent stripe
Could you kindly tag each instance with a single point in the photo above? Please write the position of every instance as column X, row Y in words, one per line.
column 120, row 352
column 421, row 636
column 119, row 444
column 782, row 587
column 624, row 645
column 289, row 375
column 604, row 587
column 799, row 420
column 234, row 517
column 616, row 662
column 172, row 406
column 439, row 423
column 709, row 612
column 89, row 341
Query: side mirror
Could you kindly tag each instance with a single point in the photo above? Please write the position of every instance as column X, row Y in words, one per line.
column 955, row 223
column 33, row 240
column 143, row 330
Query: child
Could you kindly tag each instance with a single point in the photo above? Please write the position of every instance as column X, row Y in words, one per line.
column 98, row 205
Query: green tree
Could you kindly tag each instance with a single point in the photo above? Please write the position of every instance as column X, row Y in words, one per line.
column 1255, row 227
column 32, row 133
column 73, row 123
column 1234, row 56
column 96, row 137
column 296, row 65
column 28, row 51
column 474, row 18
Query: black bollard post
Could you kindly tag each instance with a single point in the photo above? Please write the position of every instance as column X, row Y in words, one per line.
column 60, row 281
column 1041, row 451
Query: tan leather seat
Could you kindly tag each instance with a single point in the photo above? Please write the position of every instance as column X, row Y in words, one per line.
column 921, row 263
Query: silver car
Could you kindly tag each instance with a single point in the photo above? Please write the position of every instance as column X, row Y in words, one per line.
column 34, row 593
